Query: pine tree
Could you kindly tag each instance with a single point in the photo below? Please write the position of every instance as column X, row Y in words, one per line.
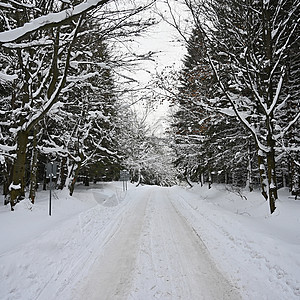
column 39, row 61
column 191, row 119
column 200, row 127
column 252, row 40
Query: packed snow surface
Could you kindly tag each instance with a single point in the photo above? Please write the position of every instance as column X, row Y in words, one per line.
column 150, row 243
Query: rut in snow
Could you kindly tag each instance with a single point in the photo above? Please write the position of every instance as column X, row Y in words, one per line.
column 153, row 254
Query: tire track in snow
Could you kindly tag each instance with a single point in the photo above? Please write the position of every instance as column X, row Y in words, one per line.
column 95, row 233
column 111, row 274
column 173, row 262
column 238, row 247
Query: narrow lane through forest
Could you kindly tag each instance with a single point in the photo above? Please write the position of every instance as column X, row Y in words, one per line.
column 154, row 254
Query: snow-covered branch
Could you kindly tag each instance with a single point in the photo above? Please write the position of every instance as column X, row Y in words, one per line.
column 50, row 20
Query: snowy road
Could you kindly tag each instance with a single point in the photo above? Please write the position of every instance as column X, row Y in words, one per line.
column 150, row 243
column 152, row 253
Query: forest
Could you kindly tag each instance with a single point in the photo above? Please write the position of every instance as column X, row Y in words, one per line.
column 234, row 115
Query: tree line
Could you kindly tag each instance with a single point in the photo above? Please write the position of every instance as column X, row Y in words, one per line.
column 58, row 97
column 235, row 105
column 237, row 102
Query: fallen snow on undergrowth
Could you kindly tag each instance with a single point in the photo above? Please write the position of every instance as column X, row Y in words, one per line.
column 43, row 257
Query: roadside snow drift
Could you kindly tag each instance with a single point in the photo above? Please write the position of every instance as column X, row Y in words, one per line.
column 150, row 243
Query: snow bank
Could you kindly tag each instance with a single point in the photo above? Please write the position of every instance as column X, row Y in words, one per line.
column 261, row 252
column 40, row 256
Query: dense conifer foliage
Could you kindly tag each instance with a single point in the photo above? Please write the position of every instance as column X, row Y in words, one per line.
column 248, row 50
column 58, row 100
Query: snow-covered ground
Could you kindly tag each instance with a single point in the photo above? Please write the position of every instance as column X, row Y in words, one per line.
column 150, row 243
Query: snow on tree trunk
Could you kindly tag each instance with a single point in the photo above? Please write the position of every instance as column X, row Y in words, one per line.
column 209, row 179
column 262, row 173
column 139, row 177
column 75, row 172
column 202, row 178
column 249, row 184
column 63, row 173
column 187, row 177
column 272, row 181
column 33, row 170
column 18, row 170
column 248, row 44
column 6, row 180
column 295, row 185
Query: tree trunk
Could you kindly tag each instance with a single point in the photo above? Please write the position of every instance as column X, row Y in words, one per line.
column 249, row 184
column 272, row 181
column 139, row 180
column 63, row 172
column 44, row 182
column 86, row 180
column 262, row 173
column 76, row 173
column 209, row 179
column 227, row 177
column 18, row 170
column 201, row 177
column 33, row 171
column 187, row 177
column 294, row 186
column 6, row 181
column 284, row 183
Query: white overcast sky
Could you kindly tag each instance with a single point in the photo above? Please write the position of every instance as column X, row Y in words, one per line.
column 165, row 41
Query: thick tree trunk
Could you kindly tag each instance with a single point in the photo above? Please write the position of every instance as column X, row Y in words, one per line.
column 18, row 170
column 268, row 43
